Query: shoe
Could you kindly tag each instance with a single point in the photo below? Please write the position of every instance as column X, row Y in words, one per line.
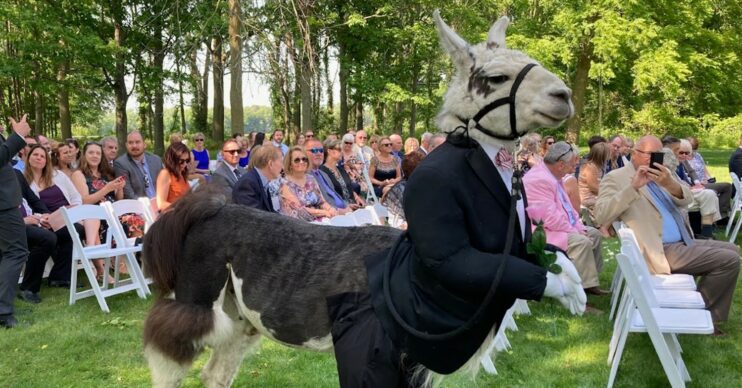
column 29, row 296
column 596, row 291
column 8, row 321
column 59, row 283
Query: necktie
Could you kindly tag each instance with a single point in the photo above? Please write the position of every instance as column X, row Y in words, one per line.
column 666, row 202
column 237, row 173
column 504, row 159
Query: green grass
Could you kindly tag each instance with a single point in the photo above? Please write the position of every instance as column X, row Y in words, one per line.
column 57, row 345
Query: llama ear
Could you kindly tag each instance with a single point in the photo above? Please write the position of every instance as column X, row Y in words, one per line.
column 496, row 35
column 454, row 45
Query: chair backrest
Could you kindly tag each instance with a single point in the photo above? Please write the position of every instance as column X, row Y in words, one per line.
column 126, row 206
column 150, row 205
column 640, row 298
column 630, row 249
column 738, row 189
column 365, row 217
column 79, row 213
column 343, row 220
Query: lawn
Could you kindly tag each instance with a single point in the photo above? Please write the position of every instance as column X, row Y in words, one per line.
column 57, row 345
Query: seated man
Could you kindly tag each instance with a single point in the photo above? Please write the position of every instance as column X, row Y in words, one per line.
column 735, row 160
column 252, row 187
column 229, row 170
column 548, row 202
column 647, row 200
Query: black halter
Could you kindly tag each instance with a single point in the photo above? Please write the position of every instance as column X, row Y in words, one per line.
column 510, row 99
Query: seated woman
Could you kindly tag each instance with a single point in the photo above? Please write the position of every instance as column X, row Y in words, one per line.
column 697, row 170
column 63, row 158
column 172, row 181
column 591, row 172
column 393, row 198
column 301, row 188
column 411, row 145
column 42, row 242
column 339, row 177
column 529, row 151
column 384, row 170
column 96, row 183
column 55, row 190
column 704, row 200
column 200, row 154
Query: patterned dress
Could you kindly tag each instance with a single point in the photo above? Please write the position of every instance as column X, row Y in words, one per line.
column 309, row 195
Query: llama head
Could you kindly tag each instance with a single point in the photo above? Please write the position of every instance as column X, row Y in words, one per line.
column 486, row 72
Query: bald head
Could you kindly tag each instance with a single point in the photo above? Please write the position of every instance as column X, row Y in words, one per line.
column 396, row 142
column 643, row 149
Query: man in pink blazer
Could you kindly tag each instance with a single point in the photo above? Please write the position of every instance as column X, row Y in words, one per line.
column 548, row 202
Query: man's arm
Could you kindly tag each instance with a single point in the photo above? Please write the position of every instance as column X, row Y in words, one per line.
column 540, row 194
column 36, row 204
column 614, row 198
column 120, row 170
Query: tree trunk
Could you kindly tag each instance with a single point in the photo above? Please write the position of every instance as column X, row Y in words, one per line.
column 413, row 106
column 306, row 94
column 579, row 88
column 235, row 66
column 38, row 112
column 63, row 96
column 359, row 112
column 119, row 76
column 328, row 80
column 217, row 60
column 343, row 79
column 158, row 122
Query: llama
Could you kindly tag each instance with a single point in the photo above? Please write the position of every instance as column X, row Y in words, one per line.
column 225, row 280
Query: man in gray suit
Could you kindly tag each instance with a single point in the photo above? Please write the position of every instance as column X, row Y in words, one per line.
column 226, row 175
column 138, row 167
column 13, row 246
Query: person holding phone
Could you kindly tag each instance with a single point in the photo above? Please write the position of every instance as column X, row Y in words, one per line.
column 646, row 197
column 95, row 181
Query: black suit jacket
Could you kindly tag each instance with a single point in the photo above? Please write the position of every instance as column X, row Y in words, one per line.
column 34, row 202
column 457, row 210
column 249, row 191
column 10, row 192
column 735, row 162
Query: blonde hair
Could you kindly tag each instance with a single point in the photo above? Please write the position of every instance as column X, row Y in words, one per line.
column 410, row 145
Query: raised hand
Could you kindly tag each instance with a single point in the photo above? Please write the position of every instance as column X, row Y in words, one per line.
column 20, row 127
column 641, row 178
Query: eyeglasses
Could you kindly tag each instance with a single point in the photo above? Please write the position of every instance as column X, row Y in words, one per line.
column 549, row 142
column 565, row 152
column 301, row 160
column 233, row 152
column 309, row 136
column 317, row 150
column 684, row 153
column 643, row 152
column 386, row 144
column 184, row 161
column 362, row 137
column 348, row 142
column 198, row 139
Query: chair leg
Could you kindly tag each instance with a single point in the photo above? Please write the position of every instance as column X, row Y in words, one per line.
column 676, row 352
column 737, row 224
column 661, row 347
column 624, row 333
column 135, row 272
column 73, row 281
column 97, row 290
column 616, row 292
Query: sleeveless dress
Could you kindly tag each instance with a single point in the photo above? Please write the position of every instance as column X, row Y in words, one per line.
column 384, row 171
column 202, row 157
column 53, row 198
column 178, row 188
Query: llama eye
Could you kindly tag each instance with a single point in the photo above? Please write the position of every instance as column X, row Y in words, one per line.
column 497, row 79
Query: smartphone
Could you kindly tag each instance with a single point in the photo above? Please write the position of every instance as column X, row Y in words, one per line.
column 657, row 157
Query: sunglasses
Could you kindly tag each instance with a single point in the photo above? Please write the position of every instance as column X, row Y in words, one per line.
column 684, row 153
column 301, row 160
column 198, row 139
column 348, row 142
column 549, row 142
column 317, row 150
column 309, row 136
column 184, row 161
column 362, row 137
column 386, row 144
column 233, row 152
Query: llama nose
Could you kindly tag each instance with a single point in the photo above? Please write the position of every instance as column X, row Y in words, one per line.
column 563, row 94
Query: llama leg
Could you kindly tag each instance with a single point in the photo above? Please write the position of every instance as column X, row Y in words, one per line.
column 166, row 371
column 232, row 338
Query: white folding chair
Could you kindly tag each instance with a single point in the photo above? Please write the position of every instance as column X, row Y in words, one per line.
column 150, row 212
column 128, row 206
column 736, row 209
column 644, row 315
column 521, row 307
column 343, row 220
column 83, row 255
column 365, row 217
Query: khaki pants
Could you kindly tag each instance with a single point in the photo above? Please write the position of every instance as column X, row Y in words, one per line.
column 585, row 252
column 716, row 263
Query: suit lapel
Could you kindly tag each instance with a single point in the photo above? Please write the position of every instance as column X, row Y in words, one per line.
column 490, row 177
